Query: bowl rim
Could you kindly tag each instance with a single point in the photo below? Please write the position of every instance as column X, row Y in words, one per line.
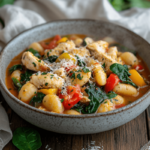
column 22, row 104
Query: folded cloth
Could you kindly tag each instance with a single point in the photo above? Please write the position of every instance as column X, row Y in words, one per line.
column 5, row 132
column 26, row 14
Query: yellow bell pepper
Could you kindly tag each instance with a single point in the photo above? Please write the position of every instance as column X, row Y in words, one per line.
column 66, row 56
column 136, row 78
column 48, row 91
column 64, row 39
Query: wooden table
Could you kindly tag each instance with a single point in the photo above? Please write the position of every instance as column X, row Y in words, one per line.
column 131, row 136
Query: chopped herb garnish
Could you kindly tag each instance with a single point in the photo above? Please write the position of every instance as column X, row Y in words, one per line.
column 39, row 60
column 62, row 100
column 79, row 76
column 34, row 52
column 52, row 58
column 46, row 84
column 103, row 65
column 15, row 67
column 34, row 64
column 72, row 75
column 52, row 76
column 85, row 70
column 43, row 73
column 84, row 43
column 80, row 62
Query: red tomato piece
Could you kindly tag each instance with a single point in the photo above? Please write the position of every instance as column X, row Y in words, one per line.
column 52, row 44
column 57, row 38
column 73, row 96
column 119, row 106
column 111, row 82
column 138, row 67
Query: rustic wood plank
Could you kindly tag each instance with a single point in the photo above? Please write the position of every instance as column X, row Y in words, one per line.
column 148, row 121
column 131, row 136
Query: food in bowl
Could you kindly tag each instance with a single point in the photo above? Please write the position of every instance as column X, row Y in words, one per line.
column 74, row 74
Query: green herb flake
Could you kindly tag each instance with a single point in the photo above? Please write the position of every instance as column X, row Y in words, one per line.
column 104, row 65
column 25, row 138
column 39, row 60
column 72, row 75
column 80, row 62
column 43, row 73
column 34, row 64
column 79, row 76
column 52, row 58
column 62, row 100
column 85, row 70
column 46, row 84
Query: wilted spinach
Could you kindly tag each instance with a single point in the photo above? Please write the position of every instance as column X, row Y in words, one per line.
column 15, row 67
column 25, row 138
column 96, row 96
column 26, row 76
column 122, row 72
column 38, row 98
column 17, row 83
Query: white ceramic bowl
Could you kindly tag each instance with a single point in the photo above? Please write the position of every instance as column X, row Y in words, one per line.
column 72, row 124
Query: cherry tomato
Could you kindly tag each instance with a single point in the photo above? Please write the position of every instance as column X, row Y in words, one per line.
column 111, row 82
column 138, row 67
column 73, row 96
column 52, row 44
column 119, row 106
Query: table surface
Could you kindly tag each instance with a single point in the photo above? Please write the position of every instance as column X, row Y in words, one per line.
column 131, row 136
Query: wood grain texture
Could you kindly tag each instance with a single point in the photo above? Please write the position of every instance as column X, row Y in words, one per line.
column 131, row 136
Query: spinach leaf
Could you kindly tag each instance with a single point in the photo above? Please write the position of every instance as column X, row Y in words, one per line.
column 80, row 62
column 15, row 67
column 34, row 52
column 38, row 98
column 79, row 76
column 26, row 76
column 52, row 58
column 17, row 83
column 97, row 96
column 122, row 72
column 78, row 107
column 103, row 65
column 25, row 138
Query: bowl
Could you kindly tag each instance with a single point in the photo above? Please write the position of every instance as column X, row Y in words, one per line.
column 74, row 124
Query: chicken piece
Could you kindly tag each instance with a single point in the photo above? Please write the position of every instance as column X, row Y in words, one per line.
column 80, row 51
column 47, row 81
column 112, row 51
column 99, row 46
column 60, row 72
column 33, row 63
column 98, row 49
column 66, row 46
